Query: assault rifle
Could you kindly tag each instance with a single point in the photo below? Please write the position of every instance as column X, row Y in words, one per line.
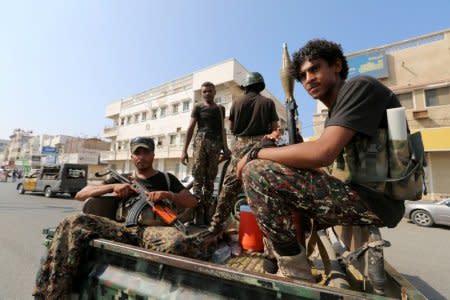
column 161, row 208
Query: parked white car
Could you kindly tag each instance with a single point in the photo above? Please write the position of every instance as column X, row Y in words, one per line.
column 426, row 213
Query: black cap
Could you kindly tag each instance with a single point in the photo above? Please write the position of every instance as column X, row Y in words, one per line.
column 144, row 142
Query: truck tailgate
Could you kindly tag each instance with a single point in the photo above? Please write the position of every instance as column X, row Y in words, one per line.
column 140, row 273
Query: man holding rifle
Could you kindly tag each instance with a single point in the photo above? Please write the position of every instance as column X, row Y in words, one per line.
column 72, row 236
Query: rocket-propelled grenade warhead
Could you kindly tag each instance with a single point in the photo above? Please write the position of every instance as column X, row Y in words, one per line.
column 286, row 80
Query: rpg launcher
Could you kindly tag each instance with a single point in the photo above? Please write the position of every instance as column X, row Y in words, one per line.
column 294, row 135
column 161, row 208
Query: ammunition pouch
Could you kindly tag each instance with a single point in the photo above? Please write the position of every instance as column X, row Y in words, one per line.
column 392, row 167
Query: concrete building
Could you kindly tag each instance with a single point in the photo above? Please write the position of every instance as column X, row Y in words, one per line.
column 83, row 151
column 28, row 152
column 15, row 149
column 164, row 112
column 3, row 151
column 417, row 71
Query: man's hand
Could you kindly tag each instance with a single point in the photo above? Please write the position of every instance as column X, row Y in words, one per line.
column 123, row 190
column 184, row 158
column 241, row 164
column 273, row 137
column 225, row 155
column 159, row 195
column 227, row 152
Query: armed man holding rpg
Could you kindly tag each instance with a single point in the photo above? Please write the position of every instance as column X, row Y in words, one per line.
column 283, row 179
column 73, row 234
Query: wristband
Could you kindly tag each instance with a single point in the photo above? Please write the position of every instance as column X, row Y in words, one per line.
column 253, row 153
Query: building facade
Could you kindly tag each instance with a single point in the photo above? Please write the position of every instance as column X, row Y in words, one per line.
column 417, row 71
column 164, row 113
column 15, row 151
column 3, row 151
column 27, row 152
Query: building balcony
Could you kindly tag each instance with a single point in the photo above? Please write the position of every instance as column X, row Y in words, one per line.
column 110, row 131
column 168, row 151
column 123, row 155
column 113, row 109
column 161, row 152
column 106, row 156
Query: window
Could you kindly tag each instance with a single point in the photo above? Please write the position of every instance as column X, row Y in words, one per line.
column 163, row 111
column 128, row 120
column 182, row 138
column 144, row 116
column 173, row 139
column 175, row 108
column 50, row 173
column 122, row 145
column 439, row 96
column 136, row 118
column 406, row 100
column 122, row 121
column 75, row 173
column 186, row 106
column 160, row 141
column 154, row 113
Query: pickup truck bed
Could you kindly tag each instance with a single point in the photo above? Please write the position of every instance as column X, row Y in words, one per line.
column 128, row 272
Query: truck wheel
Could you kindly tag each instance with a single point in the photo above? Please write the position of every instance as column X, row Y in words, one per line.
column 422, row 218
column 48, row 192
column 21, row 189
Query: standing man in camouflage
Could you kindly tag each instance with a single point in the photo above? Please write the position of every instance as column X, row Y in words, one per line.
column 208, row 142
column 73, row 234
column 252, row 118
column 280, row 180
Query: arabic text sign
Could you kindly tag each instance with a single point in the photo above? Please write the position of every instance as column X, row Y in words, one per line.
column 372, row 64
column 47, row 150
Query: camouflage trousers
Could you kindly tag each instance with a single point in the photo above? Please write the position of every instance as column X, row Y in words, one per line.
column 206, row 161
column 232, row 185
column 71, row 241
column 275, row 191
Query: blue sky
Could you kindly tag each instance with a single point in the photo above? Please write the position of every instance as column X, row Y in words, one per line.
column 62, row 62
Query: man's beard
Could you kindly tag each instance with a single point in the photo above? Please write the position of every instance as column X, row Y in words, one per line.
column 142, row 166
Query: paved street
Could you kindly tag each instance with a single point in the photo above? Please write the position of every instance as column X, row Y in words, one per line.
column 22, row 218
column 420, row 254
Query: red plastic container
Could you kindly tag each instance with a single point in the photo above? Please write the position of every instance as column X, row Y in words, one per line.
column 250, row 236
